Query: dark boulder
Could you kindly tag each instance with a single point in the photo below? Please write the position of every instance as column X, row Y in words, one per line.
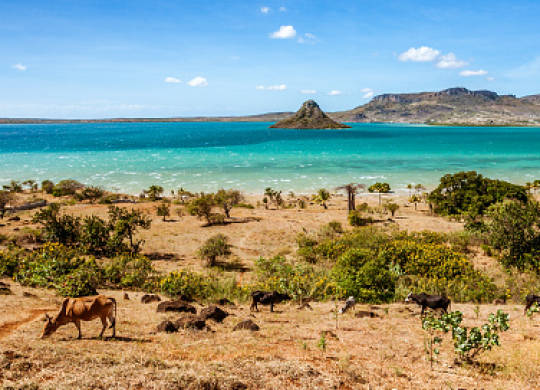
column 213, row 312
column 369, row 314
column 167, row 326
column 190, row 322
column 176, row 306
column 247, row 325
column 149, row 298
column 224, row 302
column 309, row 116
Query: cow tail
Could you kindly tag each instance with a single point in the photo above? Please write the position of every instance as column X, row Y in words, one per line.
column 113, row 323
column 450, row 307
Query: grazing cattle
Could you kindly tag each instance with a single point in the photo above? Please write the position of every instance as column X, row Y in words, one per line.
column 83, row 309
column 530, row 300
column 434, row 302
column 267, row 298
column 350, row 302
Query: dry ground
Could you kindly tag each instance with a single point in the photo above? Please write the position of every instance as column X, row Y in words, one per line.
column 386, row 352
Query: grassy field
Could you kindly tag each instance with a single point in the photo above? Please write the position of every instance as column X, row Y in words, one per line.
column 381, row 352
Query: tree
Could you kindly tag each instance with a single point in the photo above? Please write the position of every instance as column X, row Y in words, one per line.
column 203, row 207
column 47, row 186
column 409, row 186
column 227, row 199
column 273, row 196
column 94, row 235
column 6, row 198
column 163, row 210
column 470, row 192
column 322, row 197
column 14, row 186
column 351, row 189
column 380, row 188
column 124, row 224
column 58, row 227
column 216, row 246
column 415, row 199
column 154, row 192
column 514, row 229
column 91, row 194
column 392, row 207
column 31, row 184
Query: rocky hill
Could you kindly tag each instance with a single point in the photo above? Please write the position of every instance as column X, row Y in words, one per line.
column 456, row 106
column 309, row 116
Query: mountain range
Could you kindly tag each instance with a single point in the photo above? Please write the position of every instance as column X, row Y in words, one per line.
column 452, row 106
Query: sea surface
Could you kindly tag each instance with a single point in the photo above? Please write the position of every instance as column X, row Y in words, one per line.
column 129, row 157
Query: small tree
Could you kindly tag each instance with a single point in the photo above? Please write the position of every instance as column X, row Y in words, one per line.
column 322, row 197
column 215, row 247
column 30, row 183
column 66, row 187
column 203, row 207
column 124, row 224
column 14, row 186
column 227, row 199
column 58, row 227
column 154, row 192
column 415, row 199
column 91, row 194
column 392, row 208
column 47, row 186
column 163, row 210
column 6, row 198
column 380, row 188
column 351, row 189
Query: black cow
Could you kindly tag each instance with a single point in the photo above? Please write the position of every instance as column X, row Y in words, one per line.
column 267, row 298
column 530, row 300
column 434, row 302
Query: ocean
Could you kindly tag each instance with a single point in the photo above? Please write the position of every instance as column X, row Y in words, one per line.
column 129, row 157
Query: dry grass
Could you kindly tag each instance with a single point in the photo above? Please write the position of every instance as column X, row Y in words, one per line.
column 377, row 353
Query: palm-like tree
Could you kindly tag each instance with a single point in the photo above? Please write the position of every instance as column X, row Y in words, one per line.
column 321, row 197
column 351, row 189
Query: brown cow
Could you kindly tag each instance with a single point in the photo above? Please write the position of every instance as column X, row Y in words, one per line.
column 83, row 309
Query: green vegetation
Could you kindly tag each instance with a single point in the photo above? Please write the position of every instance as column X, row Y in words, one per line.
column 227, row 199
column 322, row 197
column 66, row 187
column 215, row 247
column 163, row 210
column 471, row 194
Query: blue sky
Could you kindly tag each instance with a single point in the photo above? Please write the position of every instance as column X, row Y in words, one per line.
column 164, row 58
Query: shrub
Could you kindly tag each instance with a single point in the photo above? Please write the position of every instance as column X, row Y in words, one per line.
column 58, row 227
column 127, row 270
column 381, row 188
column 215, row 247
column 186, row 283
column 163, row 210
column 227, row 199
column 66, row 187
column 471, row 193
column 392, row 208
column 47, row 186
column 360, row 274
column 9, row 262
column 82, row 282
column 356, row 219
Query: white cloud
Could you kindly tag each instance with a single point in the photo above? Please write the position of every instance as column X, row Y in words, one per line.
column 172, row 80
column 284, row 32
column 490, row 78
column 265, row 10
column 310, row 36
column 308, row 91
column 334, row 93
column 198, row 82
column 282, row 9
column 422, row 54
column 469, row 73
column 368, row 93
column 450, row 61
column 281, row 87
column 19, row 67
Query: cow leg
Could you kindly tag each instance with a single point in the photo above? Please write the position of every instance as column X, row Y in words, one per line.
column 78, row 325
column 112, row 320
column 527, row 306
column 271, row 306
column 422, row 312
column 104, row 324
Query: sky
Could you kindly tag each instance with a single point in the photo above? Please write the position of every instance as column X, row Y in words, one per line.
column 178, row 58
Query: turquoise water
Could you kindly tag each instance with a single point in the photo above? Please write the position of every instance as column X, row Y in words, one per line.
column 249, row 156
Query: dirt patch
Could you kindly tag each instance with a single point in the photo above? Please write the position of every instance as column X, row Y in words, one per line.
column 9, row 327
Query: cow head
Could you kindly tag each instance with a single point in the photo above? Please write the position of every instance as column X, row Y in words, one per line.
column 408, row 297
column 50, row 326
column 285, row 297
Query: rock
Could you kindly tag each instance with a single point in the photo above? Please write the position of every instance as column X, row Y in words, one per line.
column 329, row 334
column 28, row 295
column 247, row 325
column 15, row 218
column 362, row 314
column 185, row 298
column 149, row 298
column 213, row 312
column 310, row 116
column 176, row 306
column 126, row 296
column 190, row 322
column 5, row 291
column 167, row 326
column 225, row 302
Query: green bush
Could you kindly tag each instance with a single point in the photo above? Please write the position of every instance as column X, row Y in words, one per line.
column 9, row 261
column 356, row 219
column 215, row 247
column 471, row 193
column 82, row 282
column 127, row 270
column 362, row 275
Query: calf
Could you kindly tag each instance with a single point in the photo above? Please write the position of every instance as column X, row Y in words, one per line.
column 350, row 302
column 434, row 302
column 267, row 298
column 83, row 309
column 530, row 300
